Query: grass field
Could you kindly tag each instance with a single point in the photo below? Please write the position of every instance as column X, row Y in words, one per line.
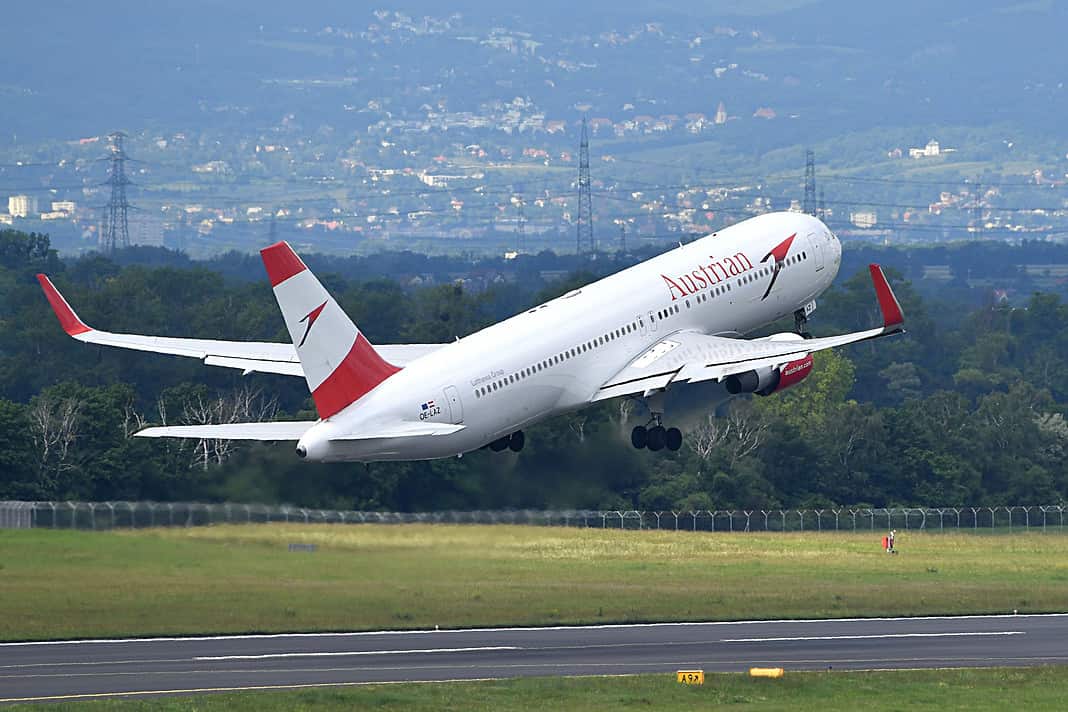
column 58, row 584
column 976, row 689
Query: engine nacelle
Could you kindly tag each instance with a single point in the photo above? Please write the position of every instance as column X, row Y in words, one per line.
column 792, row 373
column 753, row 381
column 768, row 380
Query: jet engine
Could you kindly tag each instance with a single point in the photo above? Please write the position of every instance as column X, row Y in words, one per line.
column 770, row 379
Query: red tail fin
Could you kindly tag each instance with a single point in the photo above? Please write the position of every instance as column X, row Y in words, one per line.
column 339, row 363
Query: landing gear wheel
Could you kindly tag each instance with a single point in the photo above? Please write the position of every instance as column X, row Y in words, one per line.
column 500, row 444
column 673, row 439
column 639, row 437
column 516, row 441
column 656, row 438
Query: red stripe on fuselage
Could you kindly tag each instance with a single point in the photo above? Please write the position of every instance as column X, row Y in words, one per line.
column 281, row 262
column 358, row 374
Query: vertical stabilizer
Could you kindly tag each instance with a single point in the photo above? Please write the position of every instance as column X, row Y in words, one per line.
column 339, row 363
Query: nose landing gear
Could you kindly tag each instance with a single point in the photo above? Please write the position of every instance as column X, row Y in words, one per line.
column 801, row 320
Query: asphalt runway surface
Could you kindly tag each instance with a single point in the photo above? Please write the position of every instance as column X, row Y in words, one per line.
column 87, row 669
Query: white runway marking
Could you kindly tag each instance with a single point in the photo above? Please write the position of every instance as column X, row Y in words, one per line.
column 267, row 656
column 865, row 637
column 527, row 629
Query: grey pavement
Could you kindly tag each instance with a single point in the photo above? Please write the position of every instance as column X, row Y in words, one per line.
column 158, row 666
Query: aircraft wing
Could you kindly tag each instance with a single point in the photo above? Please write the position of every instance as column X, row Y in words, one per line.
column 690, row 356
column 248, row 356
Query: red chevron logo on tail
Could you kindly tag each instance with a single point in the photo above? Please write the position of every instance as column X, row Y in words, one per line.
column 310, row 318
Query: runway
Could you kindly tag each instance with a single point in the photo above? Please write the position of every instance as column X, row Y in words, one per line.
column 57, row 670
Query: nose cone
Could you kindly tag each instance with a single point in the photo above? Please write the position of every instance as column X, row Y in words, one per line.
column 315, row 445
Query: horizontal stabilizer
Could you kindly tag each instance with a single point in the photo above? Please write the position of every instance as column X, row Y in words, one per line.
column 403, row 430
column 278, row 430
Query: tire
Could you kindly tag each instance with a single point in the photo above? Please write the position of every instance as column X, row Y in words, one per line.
column 673, row 439
column 516, row 441
column 639, row 437
column 656, row 438
column 499, row 444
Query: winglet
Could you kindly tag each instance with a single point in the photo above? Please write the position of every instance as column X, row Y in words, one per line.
column 67, row 318
column 281, row 262
column 888, row 304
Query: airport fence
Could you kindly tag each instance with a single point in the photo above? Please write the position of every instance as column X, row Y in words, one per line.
column 110, row 515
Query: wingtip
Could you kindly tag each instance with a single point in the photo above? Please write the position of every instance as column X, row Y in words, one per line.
column 67, row 318
column 888, row 304
column 281, row 262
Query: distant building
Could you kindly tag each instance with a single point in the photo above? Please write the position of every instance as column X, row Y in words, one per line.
column 721, row 114
column 932, row 149
column 221, row 167
column 863, row 218
column 61, row 210
column 21, row 206
column 146, row 230
column 444, row 181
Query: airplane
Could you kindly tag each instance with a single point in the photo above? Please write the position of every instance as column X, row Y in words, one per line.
column 674, row 319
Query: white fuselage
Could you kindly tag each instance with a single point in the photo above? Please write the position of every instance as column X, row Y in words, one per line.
column 555, row 357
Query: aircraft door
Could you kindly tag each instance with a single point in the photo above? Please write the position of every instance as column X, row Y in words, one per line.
column 641, row 324
column 652, row 321
column 817, row 249
column 456, row 407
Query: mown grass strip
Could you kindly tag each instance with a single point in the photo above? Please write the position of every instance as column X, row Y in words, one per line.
column 1041, row 688
column 61, row 584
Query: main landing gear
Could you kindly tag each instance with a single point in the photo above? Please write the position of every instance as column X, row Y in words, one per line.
column 656, row 438
column 653, row 435
column 513, row 442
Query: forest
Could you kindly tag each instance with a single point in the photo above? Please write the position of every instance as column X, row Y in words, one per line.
column 967, row 408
